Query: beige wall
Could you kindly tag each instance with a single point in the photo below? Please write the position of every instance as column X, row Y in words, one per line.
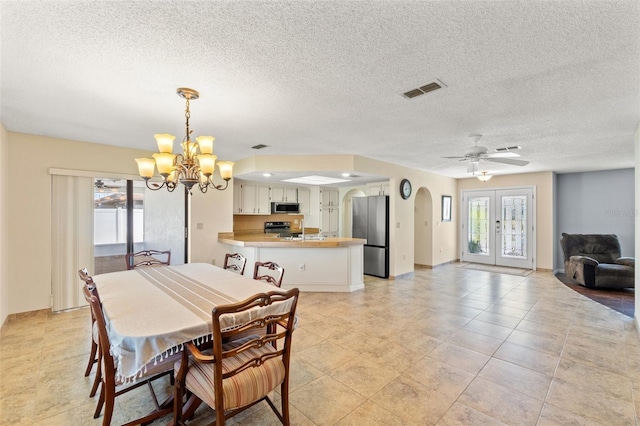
column 401, row 256
column 29, row 212
column 545, row 244
column 4, row 225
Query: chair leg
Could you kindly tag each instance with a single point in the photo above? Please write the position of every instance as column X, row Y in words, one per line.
column 177, row 403
column 284, row 399
column 109, row 399
column 92, row 358
column 98, row 379
column 100, row 403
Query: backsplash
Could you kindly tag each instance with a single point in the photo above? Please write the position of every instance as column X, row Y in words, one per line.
column 255, row 223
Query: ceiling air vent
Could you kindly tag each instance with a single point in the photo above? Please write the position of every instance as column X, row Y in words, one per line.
column 508, row 148
column 425, row 88
column 260, row 146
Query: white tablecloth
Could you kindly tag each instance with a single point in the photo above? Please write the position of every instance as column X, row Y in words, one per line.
column 151, row 312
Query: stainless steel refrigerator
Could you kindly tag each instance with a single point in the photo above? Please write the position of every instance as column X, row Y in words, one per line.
column 371, row 221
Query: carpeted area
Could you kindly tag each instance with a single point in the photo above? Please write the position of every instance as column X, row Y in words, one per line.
column 622, row 301
column 496, row 269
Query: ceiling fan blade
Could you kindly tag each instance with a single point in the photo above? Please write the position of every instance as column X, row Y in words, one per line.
column 454, row 157
column 510, row 161
column 503, row 155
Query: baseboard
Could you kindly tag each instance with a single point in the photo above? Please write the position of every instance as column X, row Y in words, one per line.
column 22, row 315
column 401, row 276
column 419, row 266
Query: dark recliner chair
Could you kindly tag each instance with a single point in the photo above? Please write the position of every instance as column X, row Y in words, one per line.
column 593, row 260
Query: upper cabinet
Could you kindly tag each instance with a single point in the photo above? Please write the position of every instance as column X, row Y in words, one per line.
column 330, row 197
column 378, row 188
column 286, row 194
column 329, row 210
column 304, row 199
column 250, row 198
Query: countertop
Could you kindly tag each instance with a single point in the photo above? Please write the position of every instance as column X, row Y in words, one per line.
column 272, row 240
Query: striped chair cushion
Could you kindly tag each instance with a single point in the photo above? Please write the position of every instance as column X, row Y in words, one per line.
column 242, row 389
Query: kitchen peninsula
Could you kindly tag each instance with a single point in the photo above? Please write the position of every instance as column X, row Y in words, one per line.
column 313, row 264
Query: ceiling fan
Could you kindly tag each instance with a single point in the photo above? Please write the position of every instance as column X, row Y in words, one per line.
column 477, row 153
column 101, row 186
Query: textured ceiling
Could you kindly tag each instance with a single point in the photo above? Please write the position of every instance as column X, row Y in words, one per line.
column 561, row 79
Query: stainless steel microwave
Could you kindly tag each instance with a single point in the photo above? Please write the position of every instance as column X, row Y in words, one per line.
column 285, row 207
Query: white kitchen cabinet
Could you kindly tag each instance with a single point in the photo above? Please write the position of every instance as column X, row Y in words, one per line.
column 304, row 199
column 329, row 226
column 329, row 211
column 378, row 188
column 252, row 198
column 330, row 197
column 237, row 197
column 312, row 219
column 286, row 194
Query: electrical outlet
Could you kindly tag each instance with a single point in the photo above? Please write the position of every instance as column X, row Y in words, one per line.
column 301, row 267
column 199, row 225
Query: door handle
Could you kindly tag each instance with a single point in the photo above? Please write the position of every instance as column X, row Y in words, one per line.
column 497, row 226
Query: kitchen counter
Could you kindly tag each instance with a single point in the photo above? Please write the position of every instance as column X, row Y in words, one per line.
column 272, row 240
column 327, row 265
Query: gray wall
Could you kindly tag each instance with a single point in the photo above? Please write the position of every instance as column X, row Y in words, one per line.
column 596, row 203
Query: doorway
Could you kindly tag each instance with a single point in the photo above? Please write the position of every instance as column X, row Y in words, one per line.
column 498, row 227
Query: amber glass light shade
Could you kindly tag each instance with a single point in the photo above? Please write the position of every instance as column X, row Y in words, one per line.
column 226, row 169
column 207, row 163
column 206, row 144
column 146, row 167
column 164, row 161
column 165, row 142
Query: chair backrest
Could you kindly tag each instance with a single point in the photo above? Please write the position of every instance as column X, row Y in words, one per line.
column 270, row 317
column 235, row 262
column 89, row 284
column 274, row 278
column 147, row 258
column 605, row 248
column 108, row 367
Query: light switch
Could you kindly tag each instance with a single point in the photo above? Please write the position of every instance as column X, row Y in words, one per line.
column 199, row 225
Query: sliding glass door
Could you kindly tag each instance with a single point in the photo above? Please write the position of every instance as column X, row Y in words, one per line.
column 134, row 220
column 497, row 227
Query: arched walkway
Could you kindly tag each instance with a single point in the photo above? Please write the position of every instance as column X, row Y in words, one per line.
column 423, row 228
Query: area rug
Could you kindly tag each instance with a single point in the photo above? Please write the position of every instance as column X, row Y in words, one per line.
column 622, row 300
column 496, row 269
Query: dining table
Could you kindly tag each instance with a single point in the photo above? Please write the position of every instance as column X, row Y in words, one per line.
column 152, row 312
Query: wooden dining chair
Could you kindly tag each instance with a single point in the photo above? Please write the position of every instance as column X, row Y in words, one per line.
column 147, row 258
column 233, row 376
column 260, row 272
column 94, row 353
column 111, row 386
column 235, row 262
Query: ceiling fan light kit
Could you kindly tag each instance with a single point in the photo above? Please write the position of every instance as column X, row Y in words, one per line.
column 484, row 177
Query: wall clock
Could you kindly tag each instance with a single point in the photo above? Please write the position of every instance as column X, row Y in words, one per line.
column 405, row 189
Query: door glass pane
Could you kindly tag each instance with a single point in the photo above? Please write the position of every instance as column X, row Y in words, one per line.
column 514, row 226
column 478, row 226
column 110, row 224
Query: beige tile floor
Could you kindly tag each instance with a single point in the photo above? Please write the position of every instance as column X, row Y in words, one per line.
column 447, row 346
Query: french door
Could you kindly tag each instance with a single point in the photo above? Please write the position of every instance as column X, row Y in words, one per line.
column 498, row 227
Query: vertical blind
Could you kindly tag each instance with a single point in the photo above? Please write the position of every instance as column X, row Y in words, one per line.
column 72, row 239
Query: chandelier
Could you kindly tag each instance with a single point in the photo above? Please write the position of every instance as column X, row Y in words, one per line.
column 188, row 168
